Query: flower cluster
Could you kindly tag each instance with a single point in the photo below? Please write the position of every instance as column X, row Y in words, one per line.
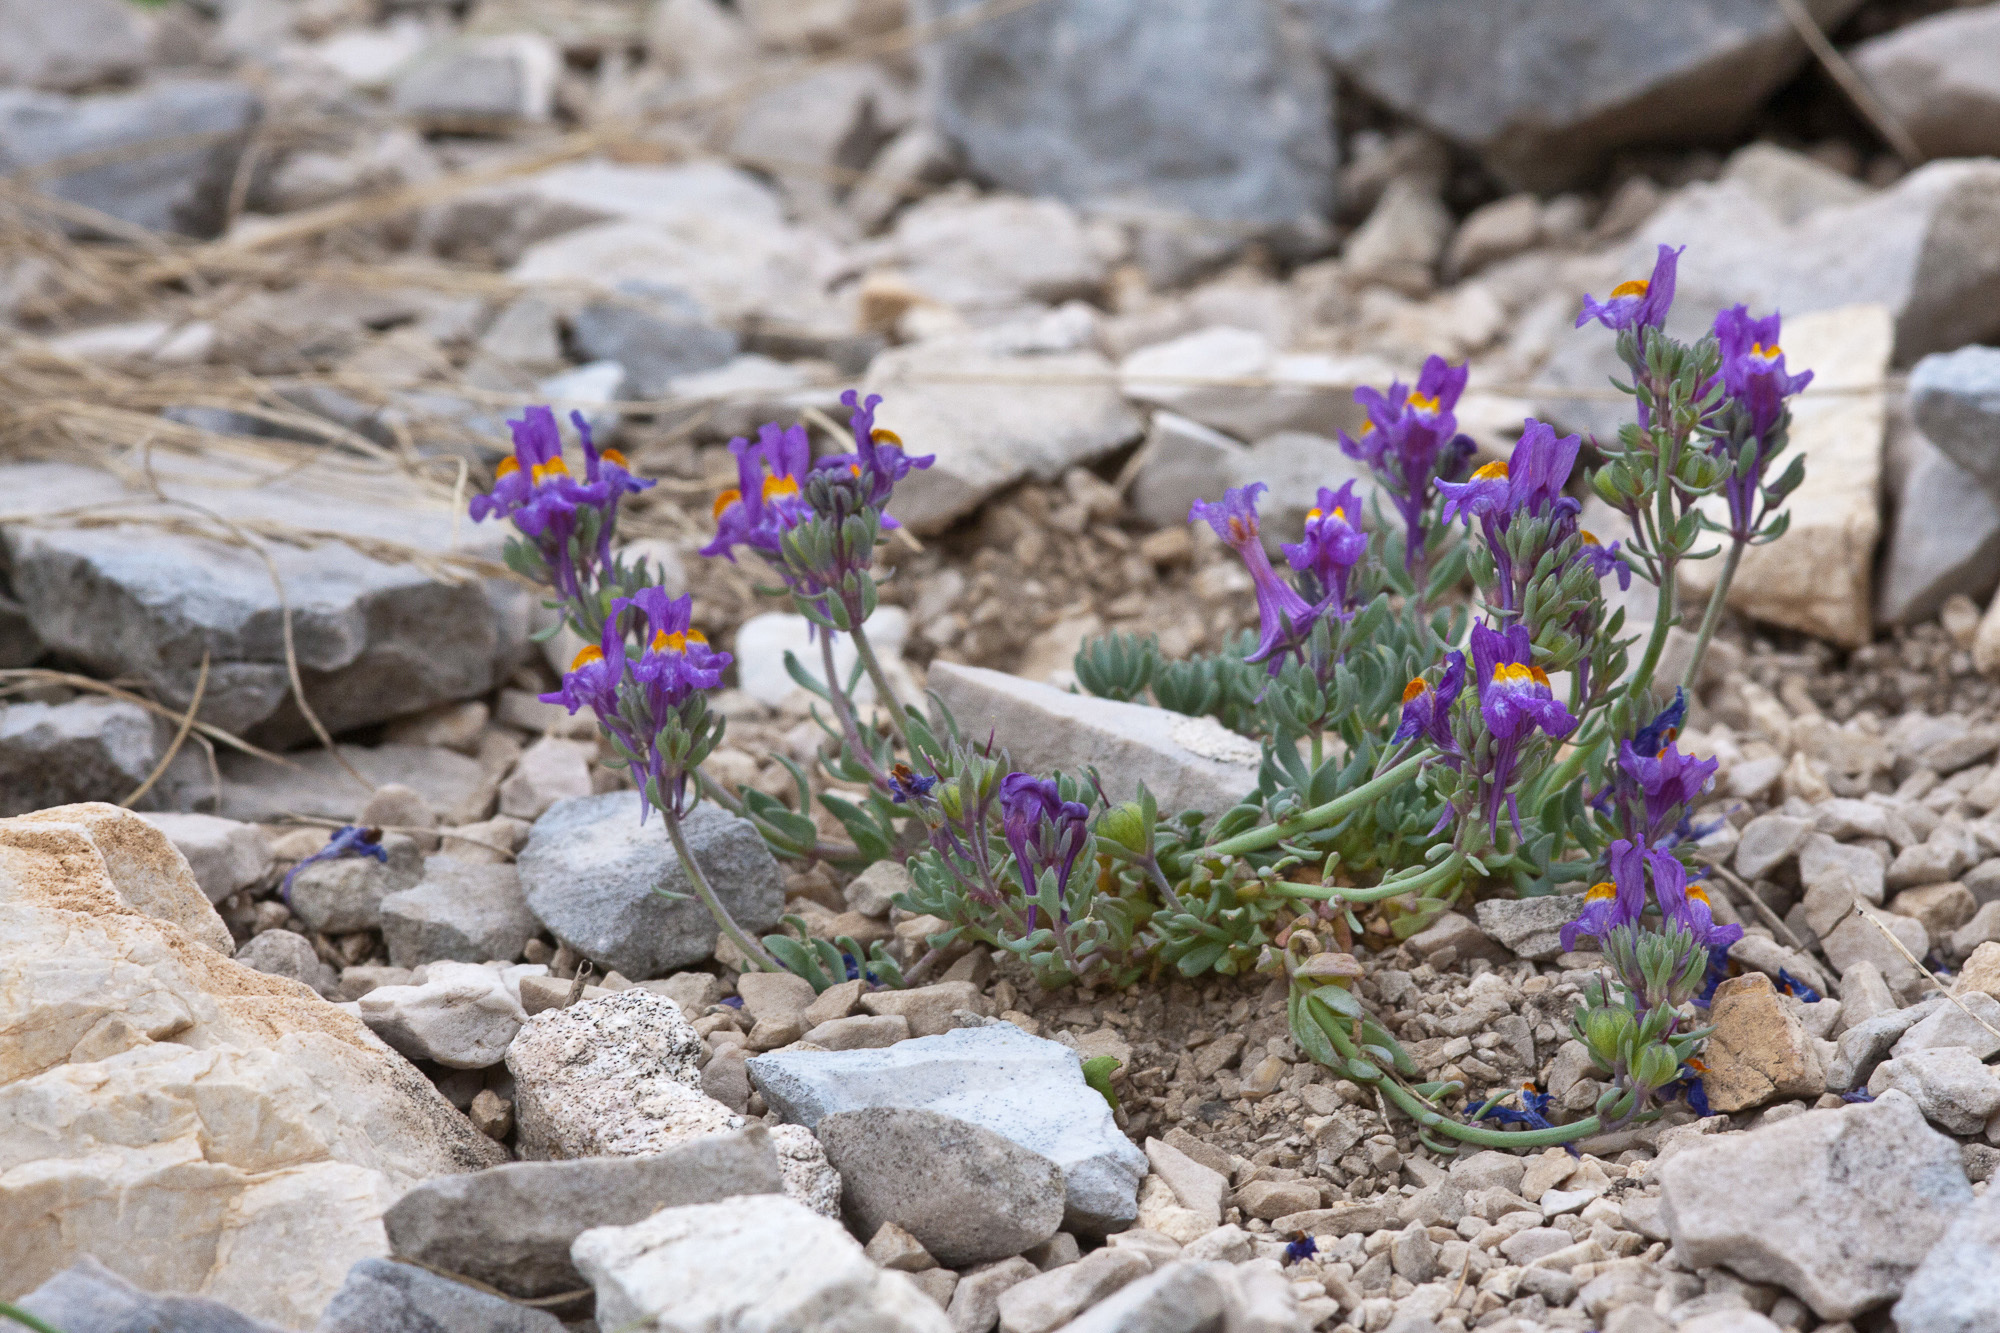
column 568, row 523
column 1411, row 440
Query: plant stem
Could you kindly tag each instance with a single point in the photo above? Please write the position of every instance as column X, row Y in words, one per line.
column 752, row 950
column 843, row 709
column 1414, row 1107
column 1320, row 815
column 23, row 1318
column 1388, row 888
column 885, row 693
column 1712, row 615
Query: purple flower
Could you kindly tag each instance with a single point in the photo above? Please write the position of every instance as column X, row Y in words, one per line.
column 1753, row 374
column 1427, row 707
column 1665, row 785
column 349, row 840
column 878, row 457
column 1641, row 303
column 1604, row 559
column 1515, row 702
column 1611, row 903
column 1284, row 617
column 1687, row 904
column 1334, row 544
column 1410, row 440
column 677, row 660
column 1043, row 830
column 594, row 676
column 1528, row 485
column 606, row 476
column 765, row 503
column 906, row 785
column 534, row 488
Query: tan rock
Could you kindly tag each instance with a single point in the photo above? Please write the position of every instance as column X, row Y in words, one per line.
column 1760, row 1050
column 929, row 1008
column 181, row 1117
column 1816, row 577
column 1981, row 972
column 1942, row 908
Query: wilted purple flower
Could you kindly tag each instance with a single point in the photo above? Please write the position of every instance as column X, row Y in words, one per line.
column 1284, row 617
column 1618, row 901
column 1754, row 376
column 1515, row 701
column 1043, row 829
column 1334, row 544
column 765, row 503
column 907, row 785
column 878, row 457
column 1687, row 904
column 1427, row 707
column 1641, row 303
column 1410, row 440
column 348, row 840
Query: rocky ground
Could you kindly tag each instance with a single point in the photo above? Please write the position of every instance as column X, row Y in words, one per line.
column 275, row 271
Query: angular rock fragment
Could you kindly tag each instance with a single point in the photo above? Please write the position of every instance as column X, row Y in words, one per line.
column 88, row 749
column 384, row 1297
column 461, row 911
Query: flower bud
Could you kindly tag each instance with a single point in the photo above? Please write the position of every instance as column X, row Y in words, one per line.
column 1125, row 825
column 1656, row 1067
column 1605, row 1032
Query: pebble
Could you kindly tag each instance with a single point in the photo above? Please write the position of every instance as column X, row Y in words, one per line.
column 1530, row 927
column 1047, row 1301
column 755, row 1262
column 859, row 1032
column 223, row 854
column 511, row 1226
column 1197, row 1188
column 1177, row 1297
column 1760, row 1050
column 461, row 1016
column 548, row 771
column 1956, row 1289
column 1954, row 1090
column 380, row 1296
column 345, row 894
column 282, row 953
column 1969, row 1023
column 975, row 1305
column 1768, row 842
column 1024, row 1088
column 1832, row 1184
column 968, row 1195
column 928, row 1009
column 87, row 1297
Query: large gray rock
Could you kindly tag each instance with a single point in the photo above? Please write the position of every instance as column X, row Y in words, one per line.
column 380, row 1296
column 1923, row 248
column 656, row 333
column 1940, row 78
column 87, row 1297
column 1955, row 401
column 746, row 1265
column 184, row 137
column 71, row 45
column 315, row 783
column 89, row 749
column 1946, row 540
column 998, row 1077
column 993, row 416
column 1848, row 1202
column 1184, row 461
column 968, row 1194
column 1278, row 391
column 1544, row 89
column 1220, row 113
column 593, row 874
column 375, row 638
column 511, row 1226
column 1956, row 1289
column 1188, row 763
column 463, row 911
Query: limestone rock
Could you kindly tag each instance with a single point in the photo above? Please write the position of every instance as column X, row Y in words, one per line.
column 193, row 132
column 1184, row 461
column 346, row 893
column 967, row 1194
column 1222, row 115
column 374, row 638
column 269, row 1114
column 1531, row 927
column 88, row 749
column 1848, row 1202
column 223, row 855
column 1956, row 1289
column 1187, row 763
column 1955, row 400
column 992, row 416
column 1940, row 78
column 481, row 84
column 1945, row 540
column 593, row 874
column 511, row 1226
column 1544, row 89
column 87, row 1296
column 758, row 1262
column 384, row 1297
column 1043, row 1304
column 461, row 911
column 462, row 1016
column 999, row 252
column 1759, row 1051
column 314, row 783
column 1023, row 1088
column 1288, row 391
column 282, row 953
column 1950, row 1086
column 1816, row 577
column 614, row 1076
column 68, row 47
